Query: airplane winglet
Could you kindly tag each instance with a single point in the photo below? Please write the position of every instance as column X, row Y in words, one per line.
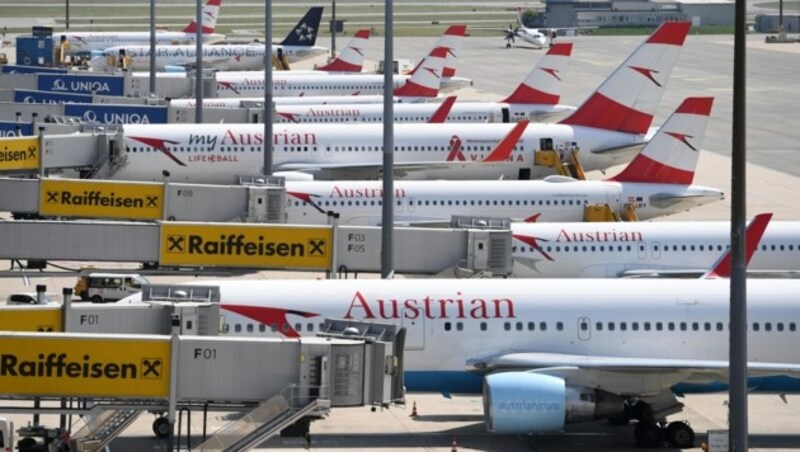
column 755, row 230
column 440, row 115
column 503, row 150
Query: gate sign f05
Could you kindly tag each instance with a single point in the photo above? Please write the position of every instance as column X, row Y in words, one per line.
column 19, row 153
column 25, row 96
column 82, row 84
column 118, row 114
column 71, row 365
column 251, row 246
column 101, row 199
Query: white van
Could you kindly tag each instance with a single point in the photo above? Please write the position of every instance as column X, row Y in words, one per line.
column 106, row 287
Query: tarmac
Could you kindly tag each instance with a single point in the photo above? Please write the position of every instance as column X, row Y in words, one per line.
column 704, row 68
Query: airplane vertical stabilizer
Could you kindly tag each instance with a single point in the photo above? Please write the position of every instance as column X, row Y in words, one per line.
column 351, row 59
column 305, row 32
column 426, row 81
column 210, row 13
column 451, row 40
column 671, row 156
column 543, row 84
column 629, row 98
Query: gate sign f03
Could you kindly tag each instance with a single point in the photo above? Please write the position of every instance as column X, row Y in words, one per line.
column 82, row 84
column 71, row 365
column 100, row 199
column 118, row 114
column 19, row 153
column 251, row 246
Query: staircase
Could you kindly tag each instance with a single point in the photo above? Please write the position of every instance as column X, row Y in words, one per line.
column 102, row 426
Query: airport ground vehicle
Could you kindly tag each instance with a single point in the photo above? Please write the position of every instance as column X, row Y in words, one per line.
column 30, row 298
column 105, row 287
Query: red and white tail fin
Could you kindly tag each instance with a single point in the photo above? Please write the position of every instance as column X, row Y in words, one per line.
column 543, row 84
column 671, row 155
column 210, row 13
column 440, row 115
column 426, row 81
column 351, row 59
column 451, row 40
column 629, row 98
column 755, row 230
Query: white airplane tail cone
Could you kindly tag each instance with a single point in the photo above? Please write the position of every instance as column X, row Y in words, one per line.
column 671, row 156
column 629, row 98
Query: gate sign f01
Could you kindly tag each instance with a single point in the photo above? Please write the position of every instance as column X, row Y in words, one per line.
column 84, row 366
column 251, row 246
column 109, row 85
column 118, row 114
column 101, row 199
column 25, row 96
column 19, row 153
column 15, row 129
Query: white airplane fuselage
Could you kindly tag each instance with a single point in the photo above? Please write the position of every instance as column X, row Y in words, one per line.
column 97, row 40
column 434, row 202
column 452, row 323
column 218, row 153
column 243, row 102
column 600, row 250
column 232, row 84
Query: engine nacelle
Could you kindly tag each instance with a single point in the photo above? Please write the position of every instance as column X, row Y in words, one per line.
column 525, row 402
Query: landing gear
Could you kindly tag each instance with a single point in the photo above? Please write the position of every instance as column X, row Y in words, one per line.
column 648, row 435
column 680, row 435
column 161, row 427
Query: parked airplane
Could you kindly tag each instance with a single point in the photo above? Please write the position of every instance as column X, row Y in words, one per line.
column 536, row 98
column 546, row 353
column 298, row 45
column 252, row 84
column 663, row 173
column 87, row 41
column 219, row 153
column 667, row 249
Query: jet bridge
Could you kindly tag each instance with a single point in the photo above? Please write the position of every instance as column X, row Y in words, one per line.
column 139, row 368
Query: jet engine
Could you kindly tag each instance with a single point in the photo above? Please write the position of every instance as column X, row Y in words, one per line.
column 526, row 402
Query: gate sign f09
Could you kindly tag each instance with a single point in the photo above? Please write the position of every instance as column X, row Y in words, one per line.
column 84, row 366
column 101, row 199
column 250, row 246
column 82, row 84
column 118, row 114
column 19, row 153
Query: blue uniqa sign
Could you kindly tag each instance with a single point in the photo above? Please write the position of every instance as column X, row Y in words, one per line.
column 15, row 129
column 118, row 114
column 25, row 96
column 82, row 84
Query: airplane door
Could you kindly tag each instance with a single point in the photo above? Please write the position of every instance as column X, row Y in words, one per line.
column 584, row 328
column 410, row 206
column 655, row 250
column 506, row 115
column 642, row 250
column 327, row 151
column 414, row 324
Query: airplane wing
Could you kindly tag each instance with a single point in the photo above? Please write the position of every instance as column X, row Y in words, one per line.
column 371, row 170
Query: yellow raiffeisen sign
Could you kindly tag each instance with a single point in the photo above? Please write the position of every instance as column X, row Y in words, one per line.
column 30, row 319
column 100, row 199
column 256, row 246
column 19, row 153
column 59, row 365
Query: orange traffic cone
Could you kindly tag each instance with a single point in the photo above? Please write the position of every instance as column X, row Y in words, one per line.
column 414, row 409
column 454, row 447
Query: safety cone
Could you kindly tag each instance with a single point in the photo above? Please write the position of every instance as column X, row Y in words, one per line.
column 414, row 409
column 454, row 447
